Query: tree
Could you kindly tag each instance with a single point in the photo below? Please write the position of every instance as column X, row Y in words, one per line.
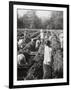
column 30, row 20
column 19, row 22
column 56, row 21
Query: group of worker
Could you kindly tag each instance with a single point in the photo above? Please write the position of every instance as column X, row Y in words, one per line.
column 45, row 42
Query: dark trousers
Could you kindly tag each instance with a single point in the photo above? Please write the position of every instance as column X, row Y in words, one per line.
column 47, row 71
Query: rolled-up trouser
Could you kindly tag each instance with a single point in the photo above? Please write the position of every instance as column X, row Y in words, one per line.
column 47, row 71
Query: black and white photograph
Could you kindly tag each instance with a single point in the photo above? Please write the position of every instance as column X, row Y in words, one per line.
column 39, row 44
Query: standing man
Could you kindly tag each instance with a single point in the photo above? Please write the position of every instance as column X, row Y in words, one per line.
column 47, row 70
column 61, row 39
column 41, row 35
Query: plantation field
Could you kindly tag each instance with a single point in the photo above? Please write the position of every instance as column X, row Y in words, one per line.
column 34, row 68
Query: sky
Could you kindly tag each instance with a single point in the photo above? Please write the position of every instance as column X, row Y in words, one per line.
column 41, row 14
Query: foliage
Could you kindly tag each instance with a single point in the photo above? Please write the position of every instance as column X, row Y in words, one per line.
column 31, row 20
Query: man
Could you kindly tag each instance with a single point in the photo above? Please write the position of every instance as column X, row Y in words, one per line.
column 20, row 43
column 47, row 61
column 30, row 45
column 21, row 59
column 61, row 39
column 37, row 44
column 41, row 35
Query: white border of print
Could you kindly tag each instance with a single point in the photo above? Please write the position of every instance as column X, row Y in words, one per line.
column 28, row 82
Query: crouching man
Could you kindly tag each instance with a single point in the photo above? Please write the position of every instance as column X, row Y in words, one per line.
column 21, row 59
column 47, row 67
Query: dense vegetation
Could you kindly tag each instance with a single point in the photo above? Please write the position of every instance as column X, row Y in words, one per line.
column 31, row 21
